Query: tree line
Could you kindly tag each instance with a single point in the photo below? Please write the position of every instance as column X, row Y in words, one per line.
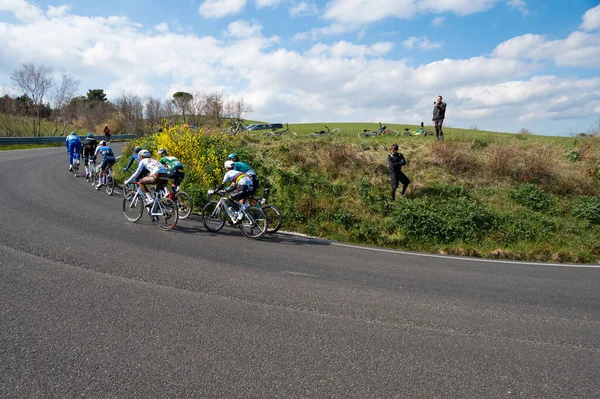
column 48, row 105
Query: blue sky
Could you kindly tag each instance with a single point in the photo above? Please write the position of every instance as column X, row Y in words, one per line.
column 501, row 65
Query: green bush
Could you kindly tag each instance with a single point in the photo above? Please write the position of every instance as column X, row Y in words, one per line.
column 533, row 197
column 444, row 220
column 586, row 208
column 524, row 225
column 572, row 155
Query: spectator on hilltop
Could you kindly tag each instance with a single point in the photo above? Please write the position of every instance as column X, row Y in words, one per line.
column 439, row 113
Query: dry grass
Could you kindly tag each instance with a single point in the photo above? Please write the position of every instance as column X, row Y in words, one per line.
column 456, row 157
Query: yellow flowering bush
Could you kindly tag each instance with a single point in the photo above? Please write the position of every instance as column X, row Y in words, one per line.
column 202, row 155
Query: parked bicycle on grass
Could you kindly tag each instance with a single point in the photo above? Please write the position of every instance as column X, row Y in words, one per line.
column 326, row 132
column 383, row 130
column 279, row 133
column 418, row 132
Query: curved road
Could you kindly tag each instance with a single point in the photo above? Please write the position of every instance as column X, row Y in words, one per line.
column 94, row 306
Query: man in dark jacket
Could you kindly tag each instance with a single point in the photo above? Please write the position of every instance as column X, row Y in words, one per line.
column 395, row 163
column 439, row 113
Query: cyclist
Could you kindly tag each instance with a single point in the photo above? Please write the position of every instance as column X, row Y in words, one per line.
column 240, row 187
column 73, row 143
column 88, row 149
column 134, row 157
column 244, row 167
column 108, row 160
column 175, row 168
column 157, row 174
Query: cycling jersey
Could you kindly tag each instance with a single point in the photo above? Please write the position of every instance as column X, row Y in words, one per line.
column 239, row 178
column 243, row 167
column 152, row 166
column 73, row 143
column 106, row 152
column 89, row 146
column 172, row 163
column 134, row 157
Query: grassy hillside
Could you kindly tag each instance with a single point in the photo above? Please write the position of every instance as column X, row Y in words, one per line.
column 478, row 193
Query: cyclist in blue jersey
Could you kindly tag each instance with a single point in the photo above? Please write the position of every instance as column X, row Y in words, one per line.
column 244, row 167
column 108, row 159
column 134, row 157
column 73, row 143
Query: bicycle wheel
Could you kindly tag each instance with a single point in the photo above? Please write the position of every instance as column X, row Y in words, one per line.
column 335, row 131
column 213, row 217
column 267, row 134
column 364, row 134
column 133, row 208
column 391, row 132
column 110, row 184
column 405, row 133
column 274, row 218
column 254, row 224
column 169, row 216
column 75, row 168
column 428, row 133
column 93, row 176
column 184, row 204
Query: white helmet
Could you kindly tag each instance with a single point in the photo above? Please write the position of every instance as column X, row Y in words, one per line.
column 144, row 153
column 162, row 151
column 229, row 164
column 103, row 142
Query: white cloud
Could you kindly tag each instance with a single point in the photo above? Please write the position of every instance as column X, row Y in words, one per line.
column 304, row 9
column 520, row 5
column 438, row 21
column 59, row 11
column 162, row 27
column 579, row 49
column 220, row 8
column 345, row 49
column 242, row 29
column 421, row 43
column 267, row 3
column 317, row 33
column 22, row 10
column 591, row 19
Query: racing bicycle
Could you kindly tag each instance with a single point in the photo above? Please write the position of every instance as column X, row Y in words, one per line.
column 162, row 210
column 253, row 223
column 182, row 200
column 383, row 130
column 326, row 132
column 419, row 132
column 274, row 217
column 279, row 133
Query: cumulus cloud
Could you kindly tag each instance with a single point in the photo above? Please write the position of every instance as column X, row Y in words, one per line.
column 267, row 3
column 421, row 43
column 59, row 11
column 242, row 29
column 438, row 21
column 591, row 19
column 304, row 9
column 21, row 9
column 520, row 5
column 162, row 27
column 579, row 49
column 220, row 8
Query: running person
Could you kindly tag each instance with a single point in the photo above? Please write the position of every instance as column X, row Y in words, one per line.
column 157, row 174
column 88, row 150
column 73, row 143
column 175, row 168
column 108, row 160
column 244, row 167
column 240, row 187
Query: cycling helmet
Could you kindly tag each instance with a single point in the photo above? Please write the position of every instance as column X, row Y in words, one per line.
column 137, row 149
column 233, row 155
column 90, row 135
column 103, row 142
column 162, row 151
column 144, row 153
column 229, row 164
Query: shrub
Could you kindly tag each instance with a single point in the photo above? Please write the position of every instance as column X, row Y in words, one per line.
column 524, row 225
column 586, row 208
column 444, row 220
column 572, row 155
column 456, row 157
column 531, row 196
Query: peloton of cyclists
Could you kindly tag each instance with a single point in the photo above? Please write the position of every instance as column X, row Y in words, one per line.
column 157, row 174
column 174, row 167
column 88, row 150
column 108, row 160
column 73, row 143
column 240, row 187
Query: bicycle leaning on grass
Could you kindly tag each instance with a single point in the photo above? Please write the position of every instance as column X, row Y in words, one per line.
column 326, row 132
column 279, row 133
column 162, row 211
column 382, row 131
column 251, row 220
column 419, row 132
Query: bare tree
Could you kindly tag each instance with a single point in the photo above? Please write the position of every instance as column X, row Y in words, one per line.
column 214, row 109
column 154, row 111
column 236, row 108
column 63, row 94
column 35, row 82
column 130, row 108
column 196, row 109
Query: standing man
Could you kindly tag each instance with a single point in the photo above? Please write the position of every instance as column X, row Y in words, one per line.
column 395, row 163
column 106, row 133
column 439, row 113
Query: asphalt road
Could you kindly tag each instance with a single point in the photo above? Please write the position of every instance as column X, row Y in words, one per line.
column 94, row 306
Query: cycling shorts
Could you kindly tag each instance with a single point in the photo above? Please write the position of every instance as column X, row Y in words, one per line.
column 106, row 163
column 160, row 179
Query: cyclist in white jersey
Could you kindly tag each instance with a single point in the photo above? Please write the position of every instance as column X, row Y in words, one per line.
column 157, row 174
